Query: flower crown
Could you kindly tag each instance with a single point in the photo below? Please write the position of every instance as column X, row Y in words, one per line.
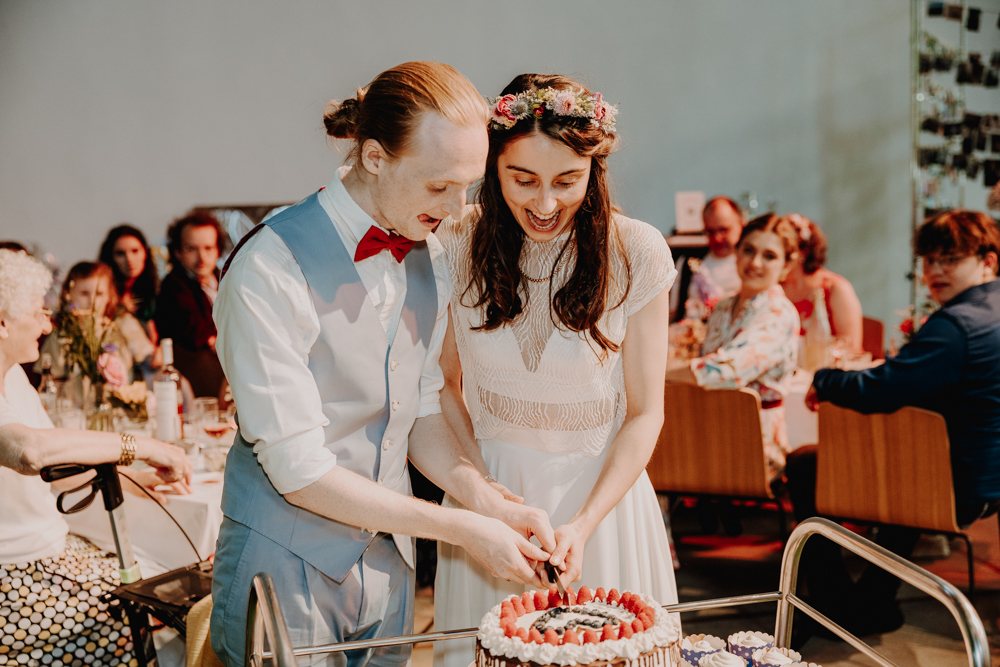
column 509, row 109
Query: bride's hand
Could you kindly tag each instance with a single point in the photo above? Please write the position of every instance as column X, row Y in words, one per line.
column 506, row 493
column 571, row 538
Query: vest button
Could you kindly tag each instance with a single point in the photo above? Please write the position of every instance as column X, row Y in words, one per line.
column 386, row 444
column 392, row 365
column 395, row 405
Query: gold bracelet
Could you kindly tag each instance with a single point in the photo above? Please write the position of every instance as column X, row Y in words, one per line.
column 128, row 450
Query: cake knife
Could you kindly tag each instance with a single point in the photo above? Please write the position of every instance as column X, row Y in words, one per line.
column 553, row 574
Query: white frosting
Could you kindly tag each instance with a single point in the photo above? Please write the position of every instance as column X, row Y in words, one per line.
column 722, row 659
column 744, row 643
column 751, row 642
column 666, row 630
column 706, row 643
column 775, row 656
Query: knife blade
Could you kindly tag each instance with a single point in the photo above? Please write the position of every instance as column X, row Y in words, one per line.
column 553, row 574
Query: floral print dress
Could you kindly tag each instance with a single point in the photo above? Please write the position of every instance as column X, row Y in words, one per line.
column 754, row 348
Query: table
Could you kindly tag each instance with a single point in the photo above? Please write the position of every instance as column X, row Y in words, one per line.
column 158, row 545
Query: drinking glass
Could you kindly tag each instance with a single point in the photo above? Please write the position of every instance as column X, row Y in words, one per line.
column 203, row 406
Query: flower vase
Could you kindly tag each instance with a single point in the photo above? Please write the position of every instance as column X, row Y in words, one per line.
column 97, row 409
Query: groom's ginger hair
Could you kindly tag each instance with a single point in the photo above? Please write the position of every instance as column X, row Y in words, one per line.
column 389, row 109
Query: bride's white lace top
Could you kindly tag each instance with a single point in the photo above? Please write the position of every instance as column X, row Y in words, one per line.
column 536, row 384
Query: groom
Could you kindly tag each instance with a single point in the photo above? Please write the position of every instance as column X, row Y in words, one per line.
column 330, row 325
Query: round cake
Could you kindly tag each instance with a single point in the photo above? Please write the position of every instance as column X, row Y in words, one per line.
column 542, row 628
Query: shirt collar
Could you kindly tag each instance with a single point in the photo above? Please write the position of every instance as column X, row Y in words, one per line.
column 351, row 213
column 974, row 292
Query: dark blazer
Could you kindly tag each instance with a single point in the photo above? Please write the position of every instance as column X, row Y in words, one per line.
column 184, row 314
column 952, row 367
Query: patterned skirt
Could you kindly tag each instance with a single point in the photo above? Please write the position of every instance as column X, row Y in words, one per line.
column 52, row 611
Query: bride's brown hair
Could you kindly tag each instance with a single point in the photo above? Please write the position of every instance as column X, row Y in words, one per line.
column 497, row 239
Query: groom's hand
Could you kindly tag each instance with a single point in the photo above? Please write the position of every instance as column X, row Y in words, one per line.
column 527, row 521
column 502, row 551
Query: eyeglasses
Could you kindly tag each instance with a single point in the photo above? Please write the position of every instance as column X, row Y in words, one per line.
column 946, row 262
column 44, row 314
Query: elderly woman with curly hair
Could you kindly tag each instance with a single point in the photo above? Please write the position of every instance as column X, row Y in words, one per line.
column 52, row 582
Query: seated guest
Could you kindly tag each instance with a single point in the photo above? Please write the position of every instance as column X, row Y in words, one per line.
column 715, row 276
column 125, row 250
column 952, row 367
column 184, row 307
column 752, row 336
column 89, row 290
column 808, row 275
column 35, row 544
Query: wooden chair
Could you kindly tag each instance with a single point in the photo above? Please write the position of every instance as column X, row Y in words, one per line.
column 873, row 337
column 711, row 445
column 887, row 469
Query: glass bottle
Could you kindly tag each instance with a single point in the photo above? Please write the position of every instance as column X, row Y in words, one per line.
column 47, row 390
column 166, row 386
column 819, row 336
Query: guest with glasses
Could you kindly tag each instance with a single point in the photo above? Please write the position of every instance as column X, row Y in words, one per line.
column 951, row 366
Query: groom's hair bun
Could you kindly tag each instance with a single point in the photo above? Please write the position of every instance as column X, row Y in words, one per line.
column 389, row 109
column 341, row 118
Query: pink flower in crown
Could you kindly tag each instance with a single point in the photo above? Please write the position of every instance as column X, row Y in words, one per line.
column 564, row 104
column 503, row 111
column 113, row 369
column 599, row 111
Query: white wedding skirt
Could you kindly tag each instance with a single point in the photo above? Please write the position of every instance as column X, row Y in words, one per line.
column 627, row 551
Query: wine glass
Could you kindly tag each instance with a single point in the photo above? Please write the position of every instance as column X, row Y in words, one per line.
column 216, row 424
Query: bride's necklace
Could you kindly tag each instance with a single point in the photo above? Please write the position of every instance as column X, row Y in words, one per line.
column 562, row 263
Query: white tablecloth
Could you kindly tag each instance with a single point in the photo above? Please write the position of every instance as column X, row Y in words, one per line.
column 802, row 425
column 158, row 545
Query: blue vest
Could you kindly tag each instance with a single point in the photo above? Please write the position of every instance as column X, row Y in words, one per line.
column 369, row 386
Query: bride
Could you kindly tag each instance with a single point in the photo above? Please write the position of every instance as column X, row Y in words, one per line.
column 558, row 339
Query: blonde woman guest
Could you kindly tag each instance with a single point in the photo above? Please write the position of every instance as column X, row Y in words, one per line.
column 807, row 275
column 752, row 337
column 64, row 573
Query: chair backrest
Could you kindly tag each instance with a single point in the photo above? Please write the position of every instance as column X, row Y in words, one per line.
column 873, row 337
column 711, row 443
column 893, row 469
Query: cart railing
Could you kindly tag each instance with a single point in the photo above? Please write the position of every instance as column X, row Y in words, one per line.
column 271, row 623
column 968, row 620
column 265, row 619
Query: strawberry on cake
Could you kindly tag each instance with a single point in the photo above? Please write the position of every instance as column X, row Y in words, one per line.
column 581, row 628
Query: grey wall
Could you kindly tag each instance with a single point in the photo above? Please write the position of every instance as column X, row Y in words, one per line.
column 135, row 111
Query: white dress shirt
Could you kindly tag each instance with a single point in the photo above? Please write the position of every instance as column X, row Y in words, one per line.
column 267, row 325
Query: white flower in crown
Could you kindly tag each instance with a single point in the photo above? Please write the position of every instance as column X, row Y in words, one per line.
column 564, row 104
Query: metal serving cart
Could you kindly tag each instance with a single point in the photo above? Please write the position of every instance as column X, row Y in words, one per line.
column 266, row 621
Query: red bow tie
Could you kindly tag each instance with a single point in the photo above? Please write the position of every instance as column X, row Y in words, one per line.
column 375, row 241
